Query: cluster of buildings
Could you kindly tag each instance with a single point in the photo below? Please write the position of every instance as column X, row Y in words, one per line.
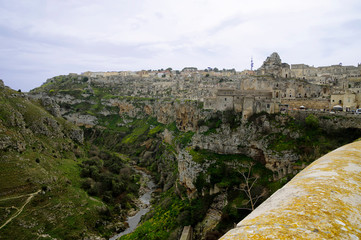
column 170, row 73
column 274, row 87
column 277, row 86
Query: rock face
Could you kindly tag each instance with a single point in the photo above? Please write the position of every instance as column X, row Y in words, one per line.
column 249, row 139
column 212, row 218
column 81, row 119
column 272, row 66
column 188, row 171
column 50, row 105
column 76, row 135
column 23, row 120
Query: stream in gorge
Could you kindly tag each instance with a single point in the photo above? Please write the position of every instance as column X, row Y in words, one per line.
column 144, row 206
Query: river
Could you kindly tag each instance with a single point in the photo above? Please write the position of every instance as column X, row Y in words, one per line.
column 144, row 208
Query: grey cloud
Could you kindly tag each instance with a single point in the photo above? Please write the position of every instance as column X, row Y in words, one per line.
column 228, row 23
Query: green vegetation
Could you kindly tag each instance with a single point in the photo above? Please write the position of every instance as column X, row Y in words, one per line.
column 38, row 155
column 226, row 117
column 213, row 123
column 169, row 215
column 173, row 209
column 306, row 138
column 138, row 131
column 281, row 142
column 224, row 169
column 312, row 121
column 155, row 130
column 184, row 138
column 109, row 178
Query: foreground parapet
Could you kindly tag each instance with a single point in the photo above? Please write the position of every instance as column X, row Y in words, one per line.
column 321, row 202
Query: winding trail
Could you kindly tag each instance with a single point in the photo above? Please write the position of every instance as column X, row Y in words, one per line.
column 31, row 195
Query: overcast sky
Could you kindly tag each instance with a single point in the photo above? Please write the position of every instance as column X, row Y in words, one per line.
column 40, row 39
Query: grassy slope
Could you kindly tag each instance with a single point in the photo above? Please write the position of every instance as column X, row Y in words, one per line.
column 62, row 210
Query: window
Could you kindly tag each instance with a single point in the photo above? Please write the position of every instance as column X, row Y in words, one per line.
column 268, row 106
column 225, row 99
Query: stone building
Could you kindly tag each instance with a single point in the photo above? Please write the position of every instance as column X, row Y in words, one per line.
column 348, row 100
column 273, row 66
column 246, row 101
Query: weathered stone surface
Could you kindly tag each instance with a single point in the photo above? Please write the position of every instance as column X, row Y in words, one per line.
column 188, row 171
column 187, row 233
column 5, row 142
column 213, row 216
column 124, row 107
column 272, row 65
column 167, row 136
column 321, row 202
column 249, row 139
column 77, row 135
column 148, row 109
column 81, row 119
column 50, row 105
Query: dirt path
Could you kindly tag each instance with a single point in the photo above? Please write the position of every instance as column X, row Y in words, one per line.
column 4, row 199
column 31, row 195
column 96, row 200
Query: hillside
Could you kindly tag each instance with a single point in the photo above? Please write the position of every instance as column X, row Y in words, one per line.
column 40, row 178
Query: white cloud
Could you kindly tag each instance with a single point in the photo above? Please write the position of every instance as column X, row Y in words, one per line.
column 41, row 38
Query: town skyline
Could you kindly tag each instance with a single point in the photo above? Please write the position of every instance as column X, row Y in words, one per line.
column 42, row 39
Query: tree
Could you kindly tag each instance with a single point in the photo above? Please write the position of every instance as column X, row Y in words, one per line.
column 312, row 121
column 249, row 184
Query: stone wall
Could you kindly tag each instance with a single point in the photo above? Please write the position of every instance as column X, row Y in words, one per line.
column 321, row 202
column 308, row 103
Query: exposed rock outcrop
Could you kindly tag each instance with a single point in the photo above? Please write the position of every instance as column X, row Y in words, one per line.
column 213, row 216
column 249, row 139
column 188, row 171
column 51, row 106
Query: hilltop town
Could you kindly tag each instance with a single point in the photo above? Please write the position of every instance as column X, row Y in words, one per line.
column 274, row 87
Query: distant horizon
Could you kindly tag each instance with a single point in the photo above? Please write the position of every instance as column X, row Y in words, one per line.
column 173, row 69
column 41, row 39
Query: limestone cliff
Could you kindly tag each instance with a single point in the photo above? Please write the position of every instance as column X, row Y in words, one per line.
column 202, row 153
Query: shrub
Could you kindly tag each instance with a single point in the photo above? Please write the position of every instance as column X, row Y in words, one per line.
column 312, row 121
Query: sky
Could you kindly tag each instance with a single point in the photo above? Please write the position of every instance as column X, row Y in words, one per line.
column 40, row 39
